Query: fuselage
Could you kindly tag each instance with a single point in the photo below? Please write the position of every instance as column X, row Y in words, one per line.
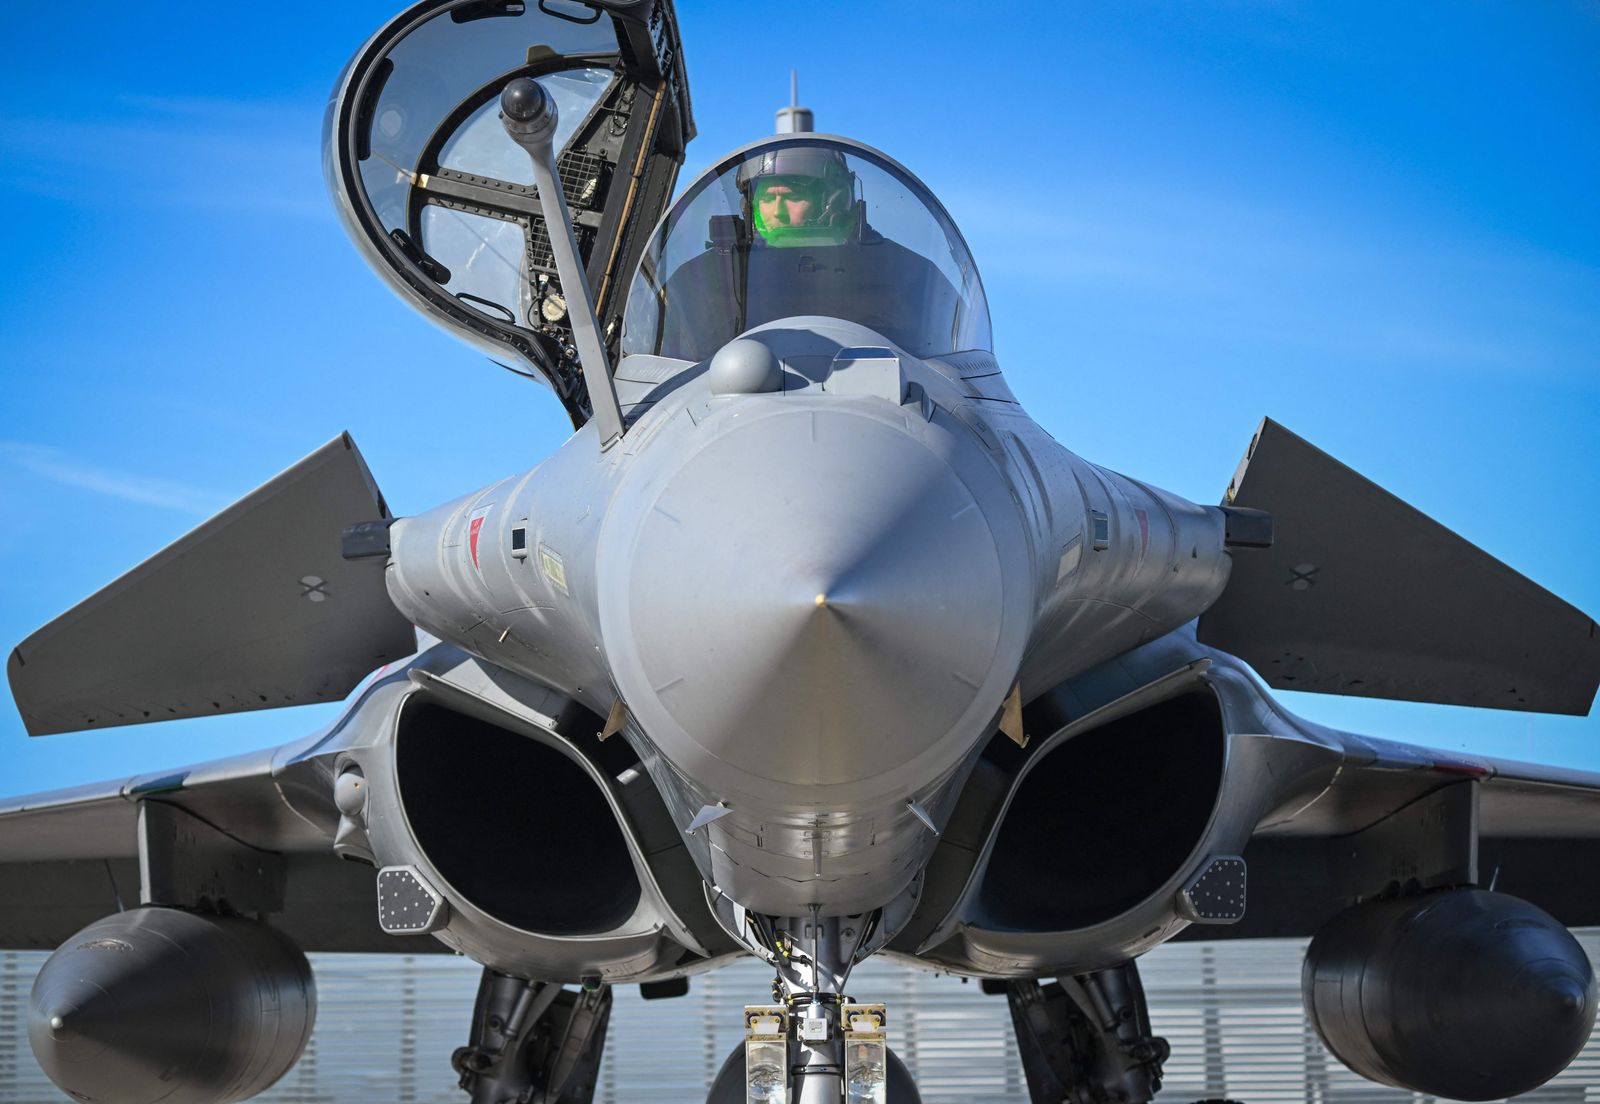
column 806, row 592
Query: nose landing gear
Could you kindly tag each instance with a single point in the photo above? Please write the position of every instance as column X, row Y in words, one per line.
column 814, row 1045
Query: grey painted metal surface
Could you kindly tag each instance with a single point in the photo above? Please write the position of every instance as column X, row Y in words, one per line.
column 1363, row 594
column 963, row 533
column 254, row 609
column 833, row 639
column 386, row 1026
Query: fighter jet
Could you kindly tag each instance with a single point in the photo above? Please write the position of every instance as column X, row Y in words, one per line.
column 809, row 645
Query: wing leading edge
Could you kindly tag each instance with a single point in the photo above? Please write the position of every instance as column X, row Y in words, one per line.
column 251, row 834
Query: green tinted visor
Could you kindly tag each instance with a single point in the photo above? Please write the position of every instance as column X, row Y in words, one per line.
column 793, row 211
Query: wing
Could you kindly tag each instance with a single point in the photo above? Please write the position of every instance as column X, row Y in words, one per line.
column 257, row 608
column 254, row 831
column 1395, row 817
column 597, row 876
column 1363, row 595
column 1122, row 821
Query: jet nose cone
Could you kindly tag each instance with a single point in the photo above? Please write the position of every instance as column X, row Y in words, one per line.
column 813, row 598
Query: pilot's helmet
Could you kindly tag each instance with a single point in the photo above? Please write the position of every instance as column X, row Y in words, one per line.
column 800, row 196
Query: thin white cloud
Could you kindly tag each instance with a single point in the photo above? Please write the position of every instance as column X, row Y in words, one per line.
column 227, row 113
column 42, row 461
column 1359, row 283
column 256, row 158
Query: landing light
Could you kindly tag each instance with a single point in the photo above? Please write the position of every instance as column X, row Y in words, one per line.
column 766, row 1054
column 866, row 1053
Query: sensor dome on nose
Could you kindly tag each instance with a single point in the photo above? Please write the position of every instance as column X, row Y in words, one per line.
column 847, row 604
column 744, row 367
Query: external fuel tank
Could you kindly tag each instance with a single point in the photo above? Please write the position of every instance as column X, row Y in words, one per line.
column 165, row 1005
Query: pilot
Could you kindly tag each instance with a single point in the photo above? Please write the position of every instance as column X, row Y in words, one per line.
column 800, row 196
column 802, row 245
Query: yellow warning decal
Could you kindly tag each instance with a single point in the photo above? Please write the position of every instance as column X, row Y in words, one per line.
column 554, row 568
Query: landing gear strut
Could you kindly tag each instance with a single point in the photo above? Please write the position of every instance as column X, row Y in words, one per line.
column 813, row 1044
column 1087, row 1039
column 533, row 1042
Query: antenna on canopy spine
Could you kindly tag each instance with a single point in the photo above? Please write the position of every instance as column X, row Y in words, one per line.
column 795, row 119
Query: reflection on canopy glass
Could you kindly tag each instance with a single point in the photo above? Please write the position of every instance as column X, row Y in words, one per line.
column 485, row 254
column 440, row 64
column 806, row 226
column 482, row 252
column 441, row 200
column 483, row 147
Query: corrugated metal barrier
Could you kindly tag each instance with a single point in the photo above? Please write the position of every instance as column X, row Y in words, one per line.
column 387, row 1024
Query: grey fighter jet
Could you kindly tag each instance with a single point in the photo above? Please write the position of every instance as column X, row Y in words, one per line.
column 809, row 644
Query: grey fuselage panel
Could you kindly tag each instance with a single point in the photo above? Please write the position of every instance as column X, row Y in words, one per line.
column 811, row 602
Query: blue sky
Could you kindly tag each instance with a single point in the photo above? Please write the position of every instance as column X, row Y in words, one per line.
column 1377, row 223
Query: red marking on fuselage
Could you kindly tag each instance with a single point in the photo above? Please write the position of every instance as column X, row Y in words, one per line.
column 473, row 529
column 1460, row 766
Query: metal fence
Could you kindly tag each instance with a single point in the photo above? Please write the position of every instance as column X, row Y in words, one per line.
column 386, row 1026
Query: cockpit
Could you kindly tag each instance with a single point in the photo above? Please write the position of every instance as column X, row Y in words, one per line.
column 805, row 225
column 441, row 200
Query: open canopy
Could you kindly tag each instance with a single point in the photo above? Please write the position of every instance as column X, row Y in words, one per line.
column 441, row 201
